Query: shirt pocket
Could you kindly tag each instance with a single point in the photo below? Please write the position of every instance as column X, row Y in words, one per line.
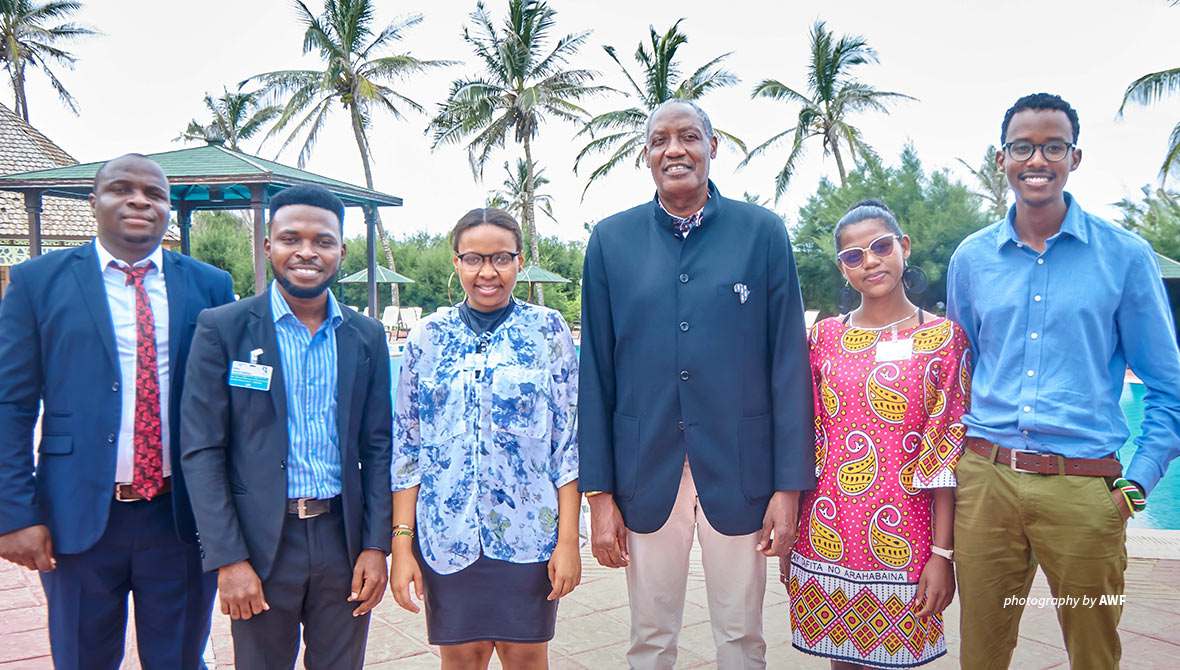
column 442, row 408
column 520, row 402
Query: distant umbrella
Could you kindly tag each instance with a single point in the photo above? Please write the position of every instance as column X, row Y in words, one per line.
column 384, row 276
column 536, row 275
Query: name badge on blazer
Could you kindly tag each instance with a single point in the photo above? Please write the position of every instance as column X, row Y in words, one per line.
column 254, row 376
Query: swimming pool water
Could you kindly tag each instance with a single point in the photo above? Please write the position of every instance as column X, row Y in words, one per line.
column 1163, row 506
column 1163, row 509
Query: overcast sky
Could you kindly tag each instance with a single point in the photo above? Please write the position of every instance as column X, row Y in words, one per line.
column 966, row 62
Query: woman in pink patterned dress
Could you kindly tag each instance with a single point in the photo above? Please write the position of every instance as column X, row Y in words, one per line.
column 871, row 569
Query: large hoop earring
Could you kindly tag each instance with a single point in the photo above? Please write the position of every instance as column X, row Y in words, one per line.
column 914, row 279
column 845, row 298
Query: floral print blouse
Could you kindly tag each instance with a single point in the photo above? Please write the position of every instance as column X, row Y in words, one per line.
column 488, row 436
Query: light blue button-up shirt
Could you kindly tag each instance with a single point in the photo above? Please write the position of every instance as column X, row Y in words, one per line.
column 1053, row 333
column 309, row 379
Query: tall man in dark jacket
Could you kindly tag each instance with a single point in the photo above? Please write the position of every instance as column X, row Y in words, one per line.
column 98, row 336
column 287, row 423
column 695, row 409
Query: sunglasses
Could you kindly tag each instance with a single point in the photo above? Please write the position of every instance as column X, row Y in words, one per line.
column 854, row 257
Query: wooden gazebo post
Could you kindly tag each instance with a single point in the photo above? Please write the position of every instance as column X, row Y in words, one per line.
column 371, row 258
column 184, row 218
column 33, row 209
column 256, row 204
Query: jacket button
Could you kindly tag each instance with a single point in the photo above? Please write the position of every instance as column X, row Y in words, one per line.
column 684, row 326
column 683, row 278
column 111, row 438
column 684, row 375
column 115, row 386
column 680, row 425
column 283, row 465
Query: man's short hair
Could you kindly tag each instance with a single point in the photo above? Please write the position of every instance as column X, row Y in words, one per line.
column 308, row 194
column 102, row 168
column 708, row 125
column 1038, row 101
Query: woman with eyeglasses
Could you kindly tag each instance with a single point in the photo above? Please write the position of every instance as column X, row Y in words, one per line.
column 485, row 461
column 871, row 571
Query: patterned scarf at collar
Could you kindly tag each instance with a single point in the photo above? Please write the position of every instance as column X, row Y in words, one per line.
column 685, row 223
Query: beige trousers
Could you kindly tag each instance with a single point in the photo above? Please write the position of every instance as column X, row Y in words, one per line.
column 735, row 582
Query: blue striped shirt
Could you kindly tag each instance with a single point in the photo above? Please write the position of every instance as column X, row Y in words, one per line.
column 1053, row 333
column 309, row 378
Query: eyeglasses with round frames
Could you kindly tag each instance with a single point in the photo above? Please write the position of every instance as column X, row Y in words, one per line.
column 1054, row 151
column 501, row 260
column 854, row 257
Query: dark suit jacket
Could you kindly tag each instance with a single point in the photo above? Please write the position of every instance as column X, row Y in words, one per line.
column 236, row 443
column 57, row 345
column 674, row 363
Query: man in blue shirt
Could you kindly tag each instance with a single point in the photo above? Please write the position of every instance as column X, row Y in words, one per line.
column 287, row 425
column 1057, row 304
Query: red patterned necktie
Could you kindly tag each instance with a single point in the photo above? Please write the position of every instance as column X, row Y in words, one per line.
column 149, row 453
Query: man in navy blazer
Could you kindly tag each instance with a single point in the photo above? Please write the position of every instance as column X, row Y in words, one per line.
column 70, row 340
column 287, row 428
column 695, row 403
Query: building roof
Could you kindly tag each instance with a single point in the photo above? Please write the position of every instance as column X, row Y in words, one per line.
column 24, row 148
column 1169, row 269
column 210, row 176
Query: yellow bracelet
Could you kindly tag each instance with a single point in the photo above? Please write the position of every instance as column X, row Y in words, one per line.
column 1130, row 505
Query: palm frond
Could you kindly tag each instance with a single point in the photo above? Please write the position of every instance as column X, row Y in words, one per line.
column 1151, row 87
column 1171, row 164
column 775, row 90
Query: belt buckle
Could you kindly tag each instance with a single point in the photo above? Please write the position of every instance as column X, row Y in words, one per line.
column 301, row 509
column 1012, row 459
column 119, row 494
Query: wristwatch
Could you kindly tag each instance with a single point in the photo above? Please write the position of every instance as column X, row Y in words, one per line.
column 948, row 554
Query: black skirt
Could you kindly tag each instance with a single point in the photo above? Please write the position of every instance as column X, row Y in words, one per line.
column 489, row 600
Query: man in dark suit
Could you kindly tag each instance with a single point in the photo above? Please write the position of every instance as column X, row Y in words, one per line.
column 286, row 423
column 695, row 404
column 99, row 335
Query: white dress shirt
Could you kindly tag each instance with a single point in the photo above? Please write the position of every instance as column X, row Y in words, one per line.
column 121, row 300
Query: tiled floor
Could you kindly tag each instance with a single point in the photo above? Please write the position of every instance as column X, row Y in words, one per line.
column 593, row 623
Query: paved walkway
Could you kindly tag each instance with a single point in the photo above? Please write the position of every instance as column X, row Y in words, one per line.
column 592, row 627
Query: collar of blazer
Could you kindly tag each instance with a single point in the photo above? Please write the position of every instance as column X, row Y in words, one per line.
column 348, row 353
column 712, row 207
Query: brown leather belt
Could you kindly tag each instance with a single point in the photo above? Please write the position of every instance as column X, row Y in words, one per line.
column 309, row 508
column 124, row 492
column 1024, row 460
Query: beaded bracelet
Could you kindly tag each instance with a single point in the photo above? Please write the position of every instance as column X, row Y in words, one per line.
column 1135, row 499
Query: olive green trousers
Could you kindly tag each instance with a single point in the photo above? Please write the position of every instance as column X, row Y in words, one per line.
column 1008, row 522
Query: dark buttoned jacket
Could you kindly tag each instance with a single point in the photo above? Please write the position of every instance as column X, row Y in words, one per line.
column 694, row 346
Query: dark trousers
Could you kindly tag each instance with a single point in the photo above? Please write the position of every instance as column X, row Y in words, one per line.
column 308, row 584
column 139, row 553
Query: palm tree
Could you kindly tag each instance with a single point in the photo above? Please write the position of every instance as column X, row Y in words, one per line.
column 834, row 95
column 1148, row 89
column 660, row 70
column 353, row 76
column 512, row 197
column 523, row 83
column 234, row 117
column 26, row 40
column 992, row 181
